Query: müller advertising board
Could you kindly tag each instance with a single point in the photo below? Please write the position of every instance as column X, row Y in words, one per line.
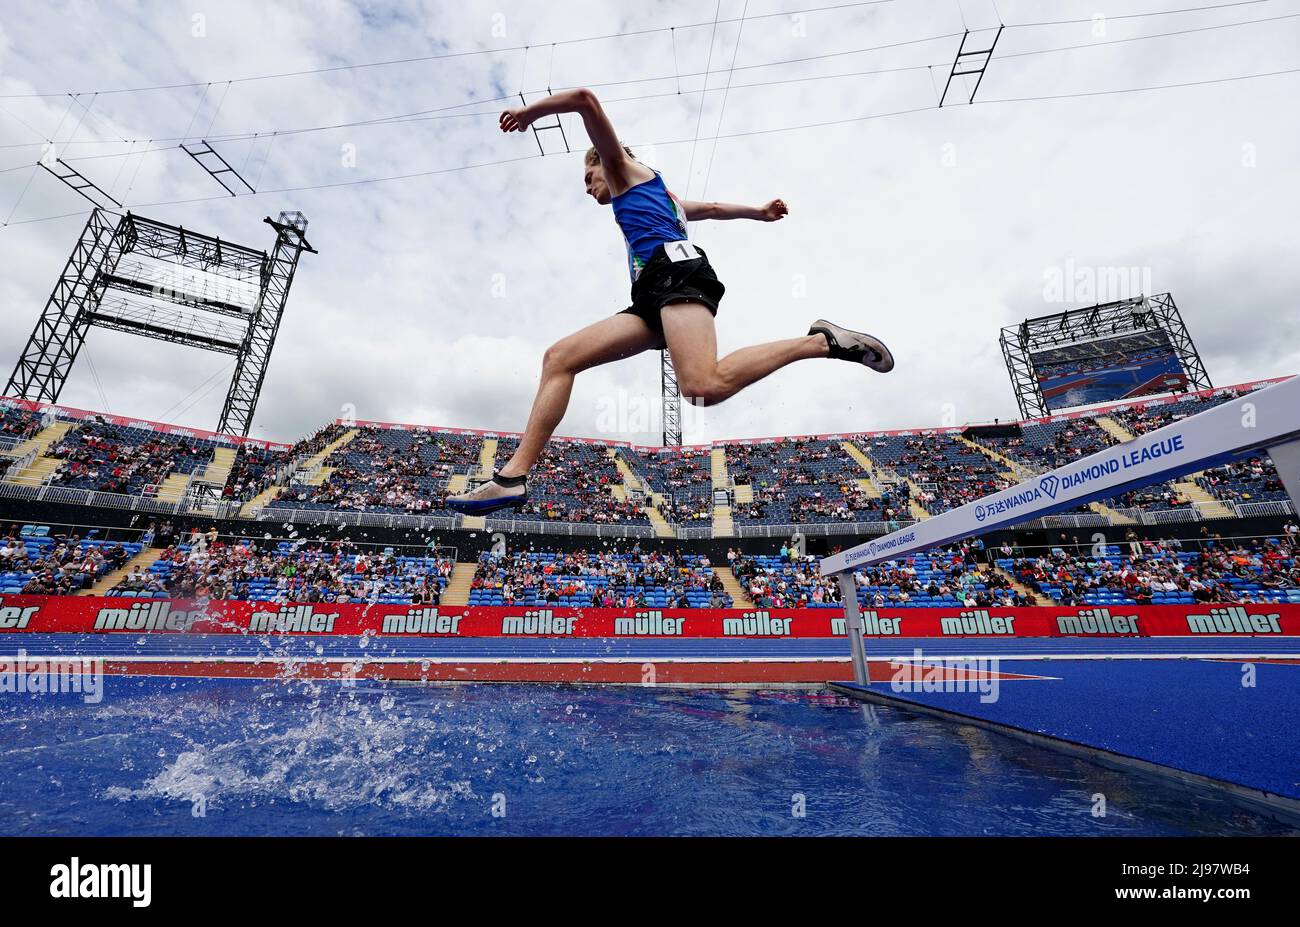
column 89, row 615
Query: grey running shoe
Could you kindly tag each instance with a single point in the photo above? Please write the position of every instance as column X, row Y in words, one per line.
column 854, row 346
column 500, row 492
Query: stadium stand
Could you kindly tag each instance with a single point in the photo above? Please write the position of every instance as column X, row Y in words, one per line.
column 205, row 567
column 823, row 484
column 102, row 457
column 382, row 470
column 34, row 562
column 1163, row 573
column 947, row 472
column 575, row 482
column 946, row 577
column 605, row 579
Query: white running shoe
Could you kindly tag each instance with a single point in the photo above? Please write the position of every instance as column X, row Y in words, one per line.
column 500, row 492
column 857, row 347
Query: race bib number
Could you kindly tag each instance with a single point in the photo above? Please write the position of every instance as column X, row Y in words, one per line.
column 680, row 251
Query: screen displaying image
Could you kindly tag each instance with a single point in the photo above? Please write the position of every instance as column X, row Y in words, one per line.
column 1125, row 367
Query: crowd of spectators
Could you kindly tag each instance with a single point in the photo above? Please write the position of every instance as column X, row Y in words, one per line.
column 351, row 489
column 374, row 474
column 253, row 470
column 1254, row 479
column 692, row 468
column 95, row 456
column 207, row 567
column 18, row 424
column 1154, row 566
column 947, row 474
column 623, row 578
column 574, row 482
column 61, row 568
column 792, row 580
column 687, row 508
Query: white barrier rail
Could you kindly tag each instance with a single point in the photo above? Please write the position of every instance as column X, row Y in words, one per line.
column 1268, row 419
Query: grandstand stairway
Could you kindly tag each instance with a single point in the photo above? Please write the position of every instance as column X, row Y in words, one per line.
column 320, row 476
column 1207, row 504
column 1114, row 515
column 487, row 459
column 41, row 466
column 317, row 461
column 718, row 467
column 44, row 439
column 746, row 493
column 218, row 469
column 260, row 501
column 878, row 473
column 633, row 483
column 918, row 511
column 263, row 498
column 172, row 489
column 657, row 521
column 457, row 589
column 323, row 454
column 37, row 472
column 1014, row 471
column 143, row 560
column 739, row 597
column 1114, row 428
column 723, row 526
column 630, row 480
column 858, row 454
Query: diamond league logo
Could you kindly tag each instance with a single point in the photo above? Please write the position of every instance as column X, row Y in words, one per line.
column 1049, row 484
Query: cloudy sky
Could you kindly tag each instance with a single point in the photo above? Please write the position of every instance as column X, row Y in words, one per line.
column 435, row 294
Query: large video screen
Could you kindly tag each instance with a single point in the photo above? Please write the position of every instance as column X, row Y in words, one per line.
column 1108, row 370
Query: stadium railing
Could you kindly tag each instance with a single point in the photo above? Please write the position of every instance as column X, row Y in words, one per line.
column 44, row 492
column 336, row 517
column 865, row 528
column 572, row 528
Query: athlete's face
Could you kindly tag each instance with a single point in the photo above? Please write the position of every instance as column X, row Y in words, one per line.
column 594, row 179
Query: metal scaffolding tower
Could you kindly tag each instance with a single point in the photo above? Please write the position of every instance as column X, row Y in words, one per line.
column 144, row 277
column 672, row 404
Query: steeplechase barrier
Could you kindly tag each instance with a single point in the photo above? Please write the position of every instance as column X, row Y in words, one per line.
column 1266, row 420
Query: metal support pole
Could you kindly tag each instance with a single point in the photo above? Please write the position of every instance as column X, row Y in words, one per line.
column 853, row 627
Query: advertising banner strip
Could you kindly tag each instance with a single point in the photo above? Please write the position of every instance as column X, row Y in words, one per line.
column 91, row 615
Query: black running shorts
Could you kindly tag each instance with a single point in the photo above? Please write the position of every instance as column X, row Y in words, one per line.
column 663, row 281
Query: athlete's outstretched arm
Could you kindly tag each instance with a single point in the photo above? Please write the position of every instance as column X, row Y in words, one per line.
column 768, row 212
column 618, row 166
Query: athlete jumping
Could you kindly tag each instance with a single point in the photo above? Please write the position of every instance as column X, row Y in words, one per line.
column 675, row 297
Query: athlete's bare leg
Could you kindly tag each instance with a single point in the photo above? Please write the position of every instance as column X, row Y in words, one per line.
column 705, row 380
column 611, row 339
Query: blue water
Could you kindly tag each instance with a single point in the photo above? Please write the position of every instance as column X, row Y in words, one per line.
column 258, row 757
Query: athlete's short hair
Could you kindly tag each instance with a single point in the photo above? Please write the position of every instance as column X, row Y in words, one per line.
column 593, row 156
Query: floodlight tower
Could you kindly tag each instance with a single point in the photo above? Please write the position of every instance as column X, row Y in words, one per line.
column 148, row 278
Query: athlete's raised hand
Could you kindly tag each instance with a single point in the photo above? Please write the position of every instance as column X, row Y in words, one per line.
column 774, row 210
column 516, row 120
